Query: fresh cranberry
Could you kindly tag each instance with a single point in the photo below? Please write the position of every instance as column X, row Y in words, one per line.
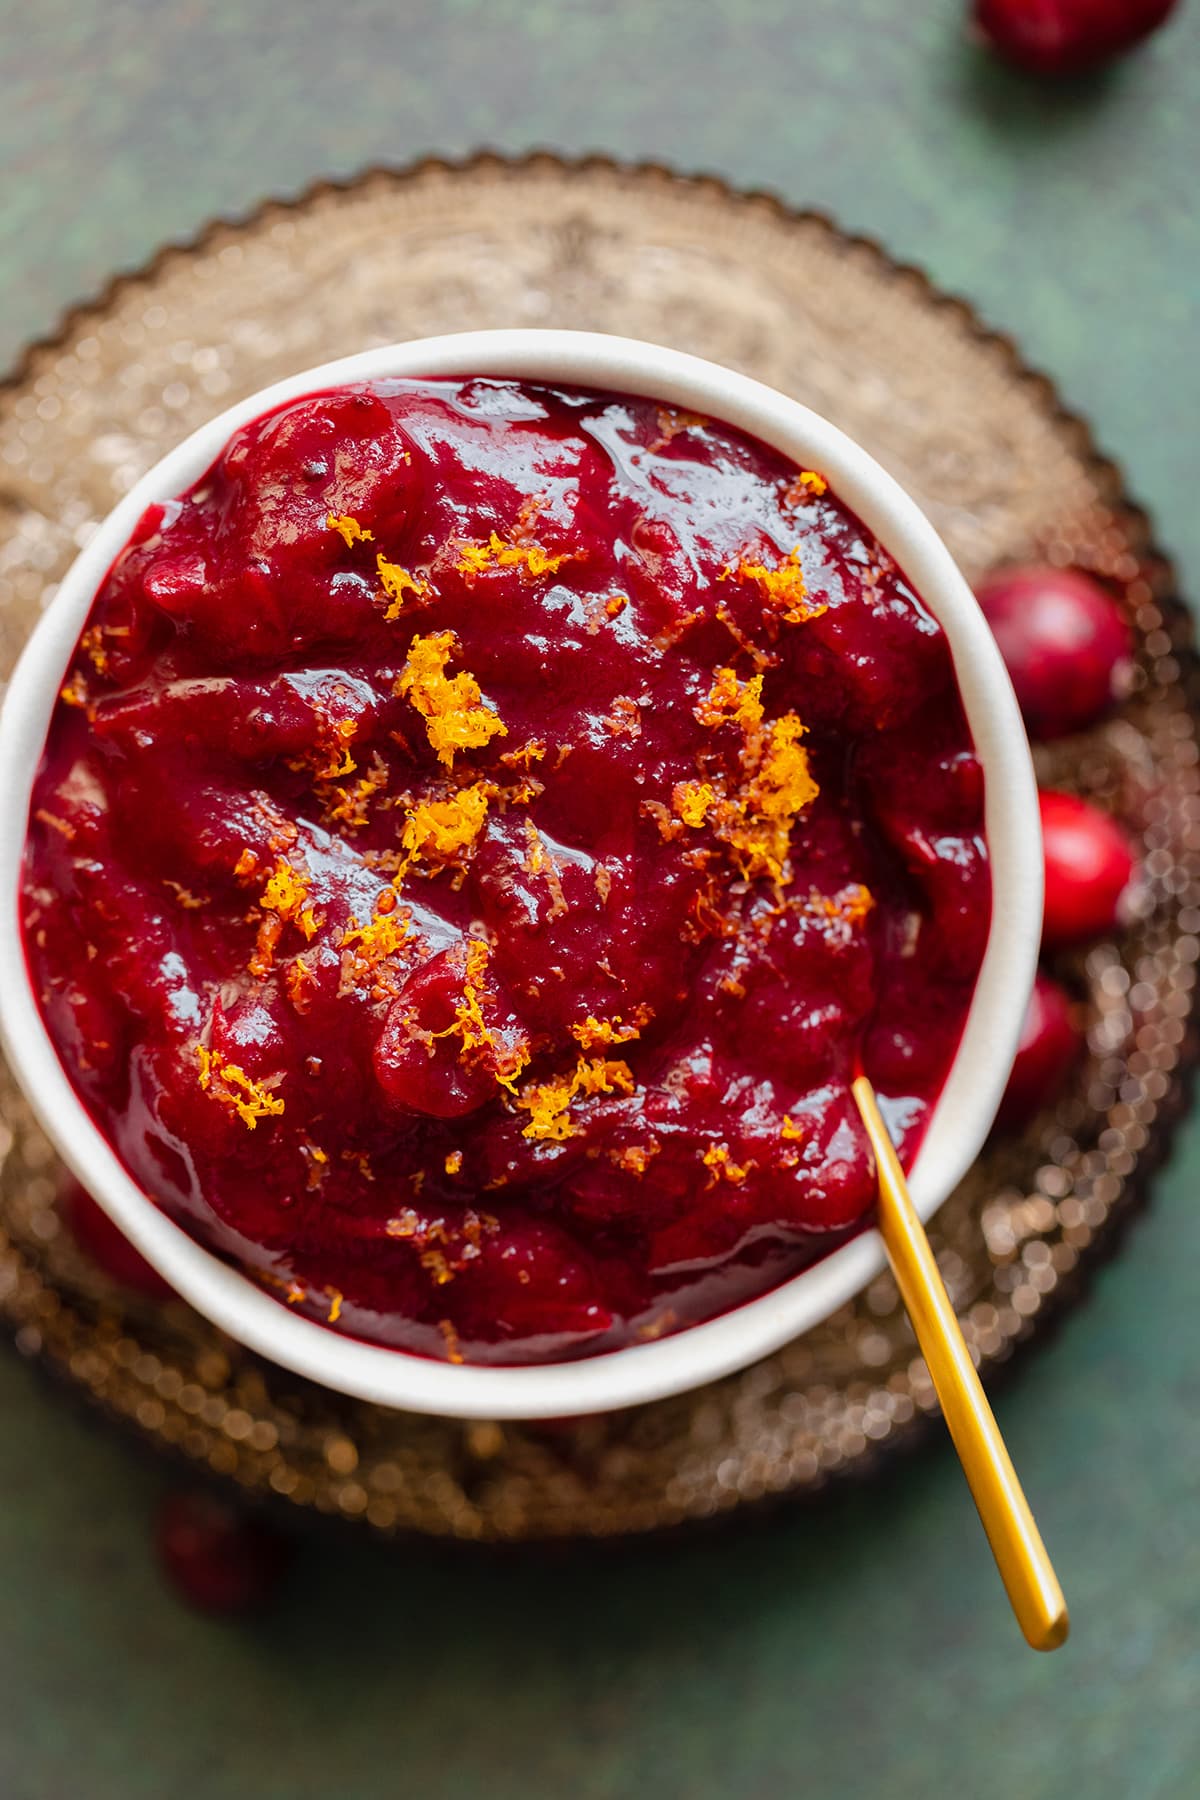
column 109, row 1248
column 1048, row 1050
column 1062, row 37
column 220, row 1559
column 1064, row 642
column 1088, row 868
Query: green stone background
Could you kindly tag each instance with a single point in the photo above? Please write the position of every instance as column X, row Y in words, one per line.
column 861, row 1646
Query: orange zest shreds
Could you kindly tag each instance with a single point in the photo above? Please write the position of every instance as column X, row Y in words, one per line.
column 335, row 1305
column 547, row 1102
column 437, row 1264
column 299, row 984
column 454, row 1162
column 284, row 901
column 74, row 693
column 93, row 646
column 671, row 421
column 444, row 1249
column 443, row 829
column 535, row 850
column 469, row 1022
column 352, row 806
column 397, row 582
column 635, row 1159
column 385, row 862
column 717, row 1160
column 850, row 904
column 470, row 1026
column 538, row 861
column 761, row 657
column 757, row 825
column 655, row 1327
column 692, row 800
column 731, row 701
column 528, row 514
column 807, row 485
column 63, row 827
column 329, row 756
column 262, row 959
column 528, row 753
column 449, row 704
column 531, row 559
column 705, row 918
column 251, row 1100
column 668, row 827
column 336, row 738
column 190, row 902
column 625, row 719
column 284, row 832
column 677, row 628
column 463, row 1238
column 783, row 785
column 790, row 1131
column 317, row 1164
column 856, row 903
column 592, row 1033
column 246, row 864
column 292, row 1290
column 783, row 587
column 450, row 1337
column 351, row 531
column 365, row 947
column 358, row 1159
column 602, row 609
column 524, row 793
column 416, row 1033
column 286, row 893
column 603, row 1075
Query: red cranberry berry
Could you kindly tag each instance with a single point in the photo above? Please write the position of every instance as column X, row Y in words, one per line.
column 109, row 1248
column 1067, row 648
column 1049, row 1047
column 1088, row 867
column 220, row 1559
column 1062, row 37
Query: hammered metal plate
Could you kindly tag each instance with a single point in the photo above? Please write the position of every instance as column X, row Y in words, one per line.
column 985, row 448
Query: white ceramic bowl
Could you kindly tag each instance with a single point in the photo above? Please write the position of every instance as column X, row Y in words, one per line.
column 968, row 1102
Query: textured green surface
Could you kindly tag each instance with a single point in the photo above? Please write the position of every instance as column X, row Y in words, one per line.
column 861, row 1647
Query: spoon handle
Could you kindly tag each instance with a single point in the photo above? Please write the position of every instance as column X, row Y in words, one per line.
column 1025, row 1568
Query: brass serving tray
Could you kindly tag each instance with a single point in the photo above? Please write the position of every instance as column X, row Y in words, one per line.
column 988, row 451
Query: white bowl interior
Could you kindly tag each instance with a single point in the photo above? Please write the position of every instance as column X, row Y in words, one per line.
column 968, row 1102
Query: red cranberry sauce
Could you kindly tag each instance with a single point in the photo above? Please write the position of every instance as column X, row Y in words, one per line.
column 483, row 831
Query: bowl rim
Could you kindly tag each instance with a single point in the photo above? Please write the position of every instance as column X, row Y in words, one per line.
column 966, row 1107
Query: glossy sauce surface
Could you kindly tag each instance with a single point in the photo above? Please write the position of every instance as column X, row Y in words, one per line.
column 483, row 831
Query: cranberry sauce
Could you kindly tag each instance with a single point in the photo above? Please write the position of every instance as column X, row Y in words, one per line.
column 483, row 831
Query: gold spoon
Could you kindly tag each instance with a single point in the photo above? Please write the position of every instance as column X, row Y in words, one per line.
column 1025, row 1568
